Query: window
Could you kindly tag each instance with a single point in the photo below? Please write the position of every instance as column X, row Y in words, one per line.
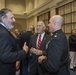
column 68, row 11
column 44, row 17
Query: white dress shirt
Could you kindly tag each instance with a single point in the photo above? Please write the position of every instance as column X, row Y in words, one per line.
column 42, row 35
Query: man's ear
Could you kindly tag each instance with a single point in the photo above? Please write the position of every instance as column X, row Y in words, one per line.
column 44, row 28
column 3, row 18
column 54, row 24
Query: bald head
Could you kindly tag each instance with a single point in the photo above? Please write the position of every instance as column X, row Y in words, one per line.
column 55, row 23
column 58, row 19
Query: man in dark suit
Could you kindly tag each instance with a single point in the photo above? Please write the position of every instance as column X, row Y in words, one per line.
column 25, row 37
column 37, row 48
column 56, row 61
column 9, row 51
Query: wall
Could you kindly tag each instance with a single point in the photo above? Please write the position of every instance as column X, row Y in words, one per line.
column 20, row 24
column 17, row 6
column 29, row 5
column 2, row 4
column 31, row 21
column 40, row 2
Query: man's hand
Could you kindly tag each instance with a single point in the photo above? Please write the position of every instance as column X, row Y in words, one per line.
column 25, row 48
column 17, row 64
column 36, row 51
column 41, row 58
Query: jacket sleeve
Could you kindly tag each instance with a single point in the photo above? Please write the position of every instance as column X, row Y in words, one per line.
column 8, row 52
column 54, row 53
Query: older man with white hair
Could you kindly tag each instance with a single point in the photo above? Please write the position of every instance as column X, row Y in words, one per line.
column 37, row 48
column 56, row 60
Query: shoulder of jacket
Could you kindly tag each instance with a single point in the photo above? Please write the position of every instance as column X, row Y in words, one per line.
column 34, row 35
column 55, row 35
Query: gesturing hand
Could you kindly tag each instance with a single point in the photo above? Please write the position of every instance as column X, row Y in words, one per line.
column 25, row 48
column 36, row 51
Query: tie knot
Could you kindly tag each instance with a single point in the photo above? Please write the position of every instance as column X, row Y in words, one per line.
column 40, row 36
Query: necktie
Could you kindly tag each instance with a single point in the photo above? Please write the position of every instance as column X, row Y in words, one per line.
column 39, row 42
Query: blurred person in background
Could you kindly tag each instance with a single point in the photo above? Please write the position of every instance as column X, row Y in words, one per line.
column 16, row 33
column 47, row 30
column 72, row 48
column 17, row 36
column 25, row 37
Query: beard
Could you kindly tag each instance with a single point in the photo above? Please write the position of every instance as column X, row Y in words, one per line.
column 10, row 27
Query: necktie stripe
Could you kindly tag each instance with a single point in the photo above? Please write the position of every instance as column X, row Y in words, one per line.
column 39, row 42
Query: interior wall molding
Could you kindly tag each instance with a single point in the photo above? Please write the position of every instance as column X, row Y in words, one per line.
column 63, row 2
column 43, row 7
column 20, row 16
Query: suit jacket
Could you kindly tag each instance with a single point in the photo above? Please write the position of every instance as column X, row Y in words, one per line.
column 34, row 67
column 25, row 37
column 57, row 62
column 9, row 53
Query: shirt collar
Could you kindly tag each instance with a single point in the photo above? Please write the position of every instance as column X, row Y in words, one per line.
column 42, row 34
column 3, row 25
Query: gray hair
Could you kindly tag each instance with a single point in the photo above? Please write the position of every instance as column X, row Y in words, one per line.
column 3, row 13
column 42, row 23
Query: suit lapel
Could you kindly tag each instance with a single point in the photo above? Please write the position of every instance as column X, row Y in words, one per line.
column 35, row 39
column 12, row 37
column 44, row 39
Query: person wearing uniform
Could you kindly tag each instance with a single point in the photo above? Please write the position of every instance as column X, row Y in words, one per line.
column 56, row 61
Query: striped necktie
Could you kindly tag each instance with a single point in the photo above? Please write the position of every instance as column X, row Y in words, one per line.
column 39, row 42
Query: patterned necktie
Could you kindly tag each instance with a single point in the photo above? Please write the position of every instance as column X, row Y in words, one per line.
column 39, row 42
